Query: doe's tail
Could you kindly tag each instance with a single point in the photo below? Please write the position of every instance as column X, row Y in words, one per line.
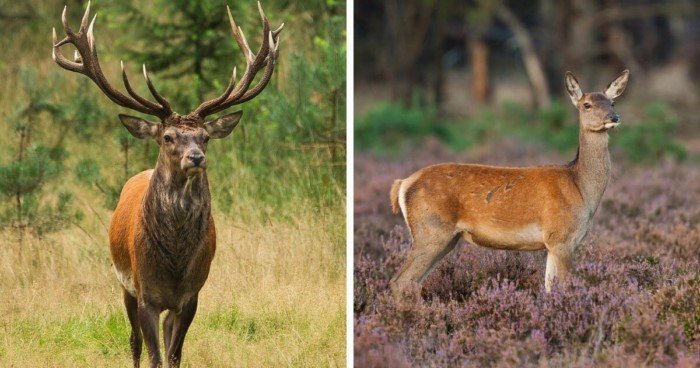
column 394, row 196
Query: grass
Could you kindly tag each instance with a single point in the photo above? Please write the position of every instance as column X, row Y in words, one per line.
column 274, row 298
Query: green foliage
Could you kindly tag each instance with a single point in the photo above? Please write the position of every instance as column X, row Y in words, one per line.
column 87, row 171
column 650, row 139
column 33, row 165
column 388, row 126
column 22, row 182
column 28, row 175
column 84, row 116
column 185, row 38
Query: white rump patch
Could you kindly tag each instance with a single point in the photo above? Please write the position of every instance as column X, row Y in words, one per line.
column 402, row 203
column 127, row 281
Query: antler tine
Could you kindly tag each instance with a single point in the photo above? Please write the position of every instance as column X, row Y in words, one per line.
column 203, row 109
column 240, row 37
column 265, row 57
column 87, row 63
column 133, row 93
column 60, row 59
column 267, row 75
column 277, row 31
column 155, row 93
column 64, row 20
column 86, row 16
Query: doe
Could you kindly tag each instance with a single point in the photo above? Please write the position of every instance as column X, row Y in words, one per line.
column 162, row 236
column 525, row 208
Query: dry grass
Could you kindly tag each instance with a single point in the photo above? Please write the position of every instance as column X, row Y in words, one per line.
column 275, row 297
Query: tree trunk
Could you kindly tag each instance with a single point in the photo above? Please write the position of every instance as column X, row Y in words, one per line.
column 533, row 66
column 479, row 55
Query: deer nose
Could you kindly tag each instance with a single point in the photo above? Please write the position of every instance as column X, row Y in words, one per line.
column 615, row 118
column 196, row 158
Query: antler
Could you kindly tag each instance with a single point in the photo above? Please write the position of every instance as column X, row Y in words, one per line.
column 264, row 58
column 86, row 63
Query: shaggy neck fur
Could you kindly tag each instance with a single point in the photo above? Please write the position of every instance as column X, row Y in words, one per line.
column 176, row 215
column 592, row 167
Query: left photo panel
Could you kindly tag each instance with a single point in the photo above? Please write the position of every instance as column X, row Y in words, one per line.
column 173, row 184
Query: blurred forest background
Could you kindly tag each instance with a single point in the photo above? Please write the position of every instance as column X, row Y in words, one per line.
column 442, row 68
column 275, row 294
column 482, row 81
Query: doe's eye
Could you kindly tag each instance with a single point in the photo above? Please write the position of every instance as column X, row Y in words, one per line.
column 206, row 139
column 168, row 139
column 586, row 105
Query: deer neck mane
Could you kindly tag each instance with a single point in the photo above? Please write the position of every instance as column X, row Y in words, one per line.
column 592, row 166
column 176, row 210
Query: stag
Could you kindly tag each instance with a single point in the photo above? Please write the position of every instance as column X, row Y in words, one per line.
column 513, row 208
column 162, row 235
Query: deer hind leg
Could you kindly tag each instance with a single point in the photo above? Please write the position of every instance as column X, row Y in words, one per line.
column 558, row 267
column 180, row 324
column 148, row 320
column 429, row 247
column 135, row 340
column 168, row 329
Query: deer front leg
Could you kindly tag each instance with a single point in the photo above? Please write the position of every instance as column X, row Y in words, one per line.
column 180, row 323
column 558, row 266
column 135, row 339
column 148, row 319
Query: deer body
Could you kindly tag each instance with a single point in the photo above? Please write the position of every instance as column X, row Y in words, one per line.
column 162, row 235
column 162, row 242
column 531, row 208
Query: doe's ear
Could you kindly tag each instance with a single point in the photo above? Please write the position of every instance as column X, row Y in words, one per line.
column 617, row 86
column 223, row 126
column 138, row 127
column 573, row 88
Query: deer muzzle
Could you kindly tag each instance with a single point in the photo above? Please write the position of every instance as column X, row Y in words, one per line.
column 194, row 162
column 612, row 120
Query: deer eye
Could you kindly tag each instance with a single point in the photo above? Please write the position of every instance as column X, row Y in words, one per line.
column 586, row 105
column 168, row 138
column 206, row 139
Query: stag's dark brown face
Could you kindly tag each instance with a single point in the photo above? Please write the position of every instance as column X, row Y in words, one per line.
column 182, row 140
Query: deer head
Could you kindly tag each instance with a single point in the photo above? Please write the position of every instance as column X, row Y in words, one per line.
column 596, row 108
column 182, row 138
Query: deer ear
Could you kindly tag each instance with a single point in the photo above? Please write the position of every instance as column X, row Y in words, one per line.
column 573, row 88
column 223, row 126
column 617, row 86
column 138, row 127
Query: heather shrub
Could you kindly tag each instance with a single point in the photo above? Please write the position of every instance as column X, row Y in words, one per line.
column 634, row 299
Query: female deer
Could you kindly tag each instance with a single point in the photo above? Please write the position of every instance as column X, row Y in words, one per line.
column 529, row 208
column 162, row 236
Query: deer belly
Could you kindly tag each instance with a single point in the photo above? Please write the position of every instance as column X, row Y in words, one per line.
column 528, row 237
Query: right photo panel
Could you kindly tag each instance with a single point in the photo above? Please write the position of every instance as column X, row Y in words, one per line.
column 526, row 183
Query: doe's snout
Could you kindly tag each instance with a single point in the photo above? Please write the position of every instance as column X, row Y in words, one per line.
column 615, row 118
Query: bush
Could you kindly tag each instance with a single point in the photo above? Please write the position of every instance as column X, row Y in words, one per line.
column 389, row 126
column 650, row 140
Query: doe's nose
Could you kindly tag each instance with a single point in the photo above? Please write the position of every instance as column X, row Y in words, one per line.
column 615, row 118
column 196, row 158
